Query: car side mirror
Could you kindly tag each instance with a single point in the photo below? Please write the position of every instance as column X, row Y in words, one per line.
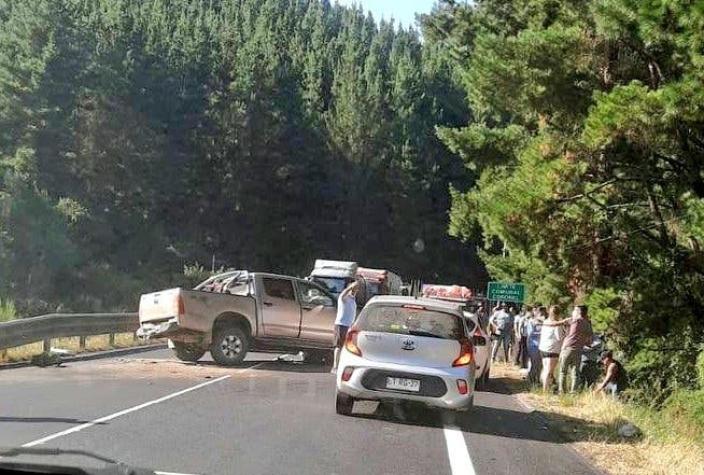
column 479, row 340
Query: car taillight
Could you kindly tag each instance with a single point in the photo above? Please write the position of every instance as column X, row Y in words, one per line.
column 351, row 343
column 462, row 386
column 181, row 306
column 466, row 354
column 347, row 373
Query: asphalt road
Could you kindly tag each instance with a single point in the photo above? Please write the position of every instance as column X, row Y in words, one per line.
column 269, row 417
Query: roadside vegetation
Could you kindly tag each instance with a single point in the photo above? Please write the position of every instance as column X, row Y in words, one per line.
column 587, row 143
column 669, row 439
column 72, row 344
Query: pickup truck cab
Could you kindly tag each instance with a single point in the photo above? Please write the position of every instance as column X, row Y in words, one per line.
column 239, row 311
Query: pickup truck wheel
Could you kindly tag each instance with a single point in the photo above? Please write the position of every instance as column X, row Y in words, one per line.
column 230, row 345
column 343, row 404
column 186, row 352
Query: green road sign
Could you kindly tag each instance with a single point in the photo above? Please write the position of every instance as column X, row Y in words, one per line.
column 506, row 292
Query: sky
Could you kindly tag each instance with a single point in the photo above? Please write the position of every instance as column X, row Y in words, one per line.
column 401, row 10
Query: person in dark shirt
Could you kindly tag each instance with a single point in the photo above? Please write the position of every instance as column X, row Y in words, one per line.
column 615, row 379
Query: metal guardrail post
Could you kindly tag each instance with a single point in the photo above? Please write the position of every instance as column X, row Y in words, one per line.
column 47, row 345
column 81, row 343
column 111, row 339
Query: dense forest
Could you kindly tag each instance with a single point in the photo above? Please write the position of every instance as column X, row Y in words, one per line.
column 587, row 140
column 556, row 142
column 139, row 138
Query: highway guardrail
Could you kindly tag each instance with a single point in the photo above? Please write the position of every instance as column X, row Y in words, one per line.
column 57, row 325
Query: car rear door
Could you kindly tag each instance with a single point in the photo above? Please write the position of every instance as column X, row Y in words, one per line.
column 318, row 312
column 281, row 314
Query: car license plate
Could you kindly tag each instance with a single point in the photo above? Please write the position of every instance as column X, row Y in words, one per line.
column 403, row 384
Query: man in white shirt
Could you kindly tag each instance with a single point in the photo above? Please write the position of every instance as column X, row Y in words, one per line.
column 501, row 324
column 346, row 313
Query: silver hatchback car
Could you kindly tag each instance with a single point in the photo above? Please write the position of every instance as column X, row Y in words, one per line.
column 403, row 348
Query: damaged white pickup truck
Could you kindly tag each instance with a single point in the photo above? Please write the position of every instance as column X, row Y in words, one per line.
column 236, row 312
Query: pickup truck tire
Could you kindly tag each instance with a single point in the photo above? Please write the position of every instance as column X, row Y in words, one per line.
column 343, row 404
column 186, row 352
column 230, row 345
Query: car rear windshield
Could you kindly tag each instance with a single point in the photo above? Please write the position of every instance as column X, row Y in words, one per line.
column 411, row 321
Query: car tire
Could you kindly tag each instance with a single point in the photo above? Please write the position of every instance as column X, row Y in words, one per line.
column 187, row 352
column 482, row 383
column 318, row 357
column 229, row 346
column 343, row 404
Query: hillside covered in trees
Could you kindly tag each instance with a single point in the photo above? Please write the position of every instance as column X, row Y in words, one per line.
column 587, row 136
column 139, row 137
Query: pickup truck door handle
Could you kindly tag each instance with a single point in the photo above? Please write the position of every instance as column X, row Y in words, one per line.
column 268, row 304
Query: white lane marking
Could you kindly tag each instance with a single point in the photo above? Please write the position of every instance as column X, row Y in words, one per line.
column 460, row 461
column 79, row 428
column 172, row 473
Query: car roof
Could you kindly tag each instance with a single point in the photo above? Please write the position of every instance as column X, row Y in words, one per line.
column 430, row 304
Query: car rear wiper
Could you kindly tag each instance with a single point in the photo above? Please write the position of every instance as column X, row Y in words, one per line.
column 423, row 333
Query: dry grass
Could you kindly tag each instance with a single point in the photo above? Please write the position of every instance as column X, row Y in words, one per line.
column 93, row 343
column 590, row 422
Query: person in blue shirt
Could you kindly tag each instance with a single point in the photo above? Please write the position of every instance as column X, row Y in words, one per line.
column 534, row 328
column 346, row 313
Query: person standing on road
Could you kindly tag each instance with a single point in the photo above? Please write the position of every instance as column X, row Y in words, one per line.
column 513, row 312
column 533, row 330
column 550, row 346
column 346, row 313
column 501, row 323
column 579, row 335
column 519, row 329
column 615, row 379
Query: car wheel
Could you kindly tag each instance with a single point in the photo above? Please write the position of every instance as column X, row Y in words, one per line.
column 482, row 383
column 229, row 346
column 318, row 357
column 187, row 352
column 343, row 404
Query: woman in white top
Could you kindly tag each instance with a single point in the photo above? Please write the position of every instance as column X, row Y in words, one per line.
column 550, row 345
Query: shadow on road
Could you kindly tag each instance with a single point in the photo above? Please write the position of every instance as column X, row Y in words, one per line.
column 66, row 420
column 489, row 421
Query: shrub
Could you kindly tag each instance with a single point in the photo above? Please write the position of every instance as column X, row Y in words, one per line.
column 700, row 369
column 7, row 310
column 687, row 408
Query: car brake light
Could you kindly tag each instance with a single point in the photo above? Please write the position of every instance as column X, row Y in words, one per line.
column 347, row 373
column 466, row 354
column 462, row 386
column 351, row 343
column 181, row 306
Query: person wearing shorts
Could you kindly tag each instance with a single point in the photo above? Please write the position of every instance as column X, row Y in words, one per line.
column 346, row 313
column 340, row 335
column 551, row 337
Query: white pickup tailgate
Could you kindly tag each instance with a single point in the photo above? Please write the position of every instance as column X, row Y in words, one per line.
column 157, row 306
